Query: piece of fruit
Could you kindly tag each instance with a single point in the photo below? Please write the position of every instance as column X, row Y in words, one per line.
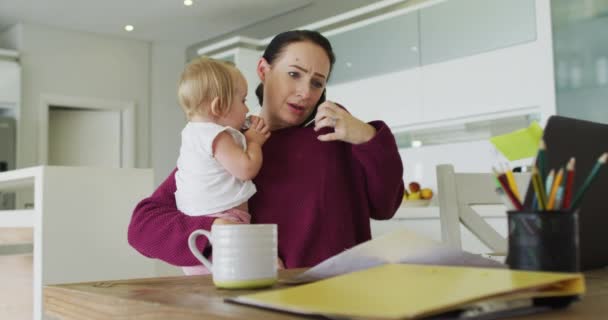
column 414, row 196
column 414, row 186
column 426, row 193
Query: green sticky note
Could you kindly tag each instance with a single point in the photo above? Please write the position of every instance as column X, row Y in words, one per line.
column 519, row 144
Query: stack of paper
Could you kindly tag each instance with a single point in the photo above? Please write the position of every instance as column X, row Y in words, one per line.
column 400, row 246
column 401, row 291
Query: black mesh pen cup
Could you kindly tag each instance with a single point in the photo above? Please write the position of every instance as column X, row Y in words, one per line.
column 543, row 241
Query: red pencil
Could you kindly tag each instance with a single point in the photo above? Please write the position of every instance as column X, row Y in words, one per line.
column 569, row 184
column 504, row 183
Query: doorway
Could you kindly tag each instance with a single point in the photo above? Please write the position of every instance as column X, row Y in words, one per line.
column 84, row 137
column 87, row 132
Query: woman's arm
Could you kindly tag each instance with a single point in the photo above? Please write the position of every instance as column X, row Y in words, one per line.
column 158, row 230
column 374, row 147
column 383, row 168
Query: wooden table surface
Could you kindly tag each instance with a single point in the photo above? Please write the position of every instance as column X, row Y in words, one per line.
column 195, row 297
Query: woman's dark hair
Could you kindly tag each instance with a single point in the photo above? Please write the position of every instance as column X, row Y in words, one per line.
column 282, row 40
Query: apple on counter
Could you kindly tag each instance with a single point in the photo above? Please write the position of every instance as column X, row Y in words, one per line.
column 415, row 192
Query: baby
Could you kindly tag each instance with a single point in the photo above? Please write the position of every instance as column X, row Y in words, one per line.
column 216, row 161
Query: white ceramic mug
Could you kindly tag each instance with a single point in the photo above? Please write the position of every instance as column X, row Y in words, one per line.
column 244, row 255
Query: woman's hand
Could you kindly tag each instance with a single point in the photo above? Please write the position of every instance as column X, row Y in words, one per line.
column 346, row 127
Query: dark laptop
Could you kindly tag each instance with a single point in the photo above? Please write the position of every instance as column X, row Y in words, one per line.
column 585, row 140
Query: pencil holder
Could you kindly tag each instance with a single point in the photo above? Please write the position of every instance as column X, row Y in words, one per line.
column 543, row 240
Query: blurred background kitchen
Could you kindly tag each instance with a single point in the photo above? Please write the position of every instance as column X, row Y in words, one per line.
column 93, row 83
column 439, row 72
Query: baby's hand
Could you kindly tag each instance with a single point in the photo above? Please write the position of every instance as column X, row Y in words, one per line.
column 258, row 132
column 280, row 264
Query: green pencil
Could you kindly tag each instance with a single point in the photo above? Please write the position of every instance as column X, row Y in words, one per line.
column 596, row 168
column 540, row 160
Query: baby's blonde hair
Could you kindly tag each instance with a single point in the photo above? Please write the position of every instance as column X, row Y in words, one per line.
column 203, row 80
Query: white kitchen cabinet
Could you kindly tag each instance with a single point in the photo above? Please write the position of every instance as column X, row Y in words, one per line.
column 380, row 47
column 79, row 224
column 10, row 87
column 581, row 61
column 513, row 78
column 436, row 64
column 377, row 74
column 461, row 28
column 394, row 97
column 474, row 65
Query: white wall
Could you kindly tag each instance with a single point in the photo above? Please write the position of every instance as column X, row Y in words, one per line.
column 166, row 117
column 71, row 63
column 9, row 38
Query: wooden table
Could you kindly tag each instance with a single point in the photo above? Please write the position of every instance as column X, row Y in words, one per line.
column 195, row 297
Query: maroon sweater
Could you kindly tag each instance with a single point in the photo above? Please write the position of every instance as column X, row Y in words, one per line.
column 320, row 194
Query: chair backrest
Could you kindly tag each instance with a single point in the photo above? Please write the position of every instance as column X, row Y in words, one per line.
column 457, row 193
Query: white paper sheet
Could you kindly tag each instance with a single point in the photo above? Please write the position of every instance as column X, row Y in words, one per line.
column 400, row 246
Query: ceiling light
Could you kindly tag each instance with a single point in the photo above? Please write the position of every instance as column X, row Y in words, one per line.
column 129, row 28
column 416, row 144
column 188, row 3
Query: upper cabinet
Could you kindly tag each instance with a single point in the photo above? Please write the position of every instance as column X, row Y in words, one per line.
column 427, row 65
column 456, row 61
column 375, row 48
column 10, row 82
column 376, row 75
column 461, row 28
column 395, row 98
column 580, row 43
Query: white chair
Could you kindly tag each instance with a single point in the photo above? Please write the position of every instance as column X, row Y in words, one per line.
column 457, row 193
column 78, row 223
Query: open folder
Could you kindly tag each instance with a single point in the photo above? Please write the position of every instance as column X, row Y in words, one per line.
column 399, row 246
column 407, row 291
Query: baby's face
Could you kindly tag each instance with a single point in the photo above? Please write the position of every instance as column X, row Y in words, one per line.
column 238, row 110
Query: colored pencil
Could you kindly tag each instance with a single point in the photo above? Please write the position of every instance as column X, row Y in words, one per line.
column 553, row 193
column 559, row 198
column 511, row 180
column 596, row 168
column 540, row 160
column 504, row 198
column 538, row 188
column 502, row 178
column 569, row 184
column 549, row 182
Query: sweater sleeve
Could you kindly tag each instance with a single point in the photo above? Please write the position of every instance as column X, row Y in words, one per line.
column 383, row 171
column 159, row 230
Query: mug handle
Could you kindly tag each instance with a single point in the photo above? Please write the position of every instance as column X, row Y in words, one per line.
column 194, row 249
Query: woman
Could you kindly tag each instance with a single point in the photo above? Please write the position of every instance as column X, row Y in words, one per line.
column 320, row 183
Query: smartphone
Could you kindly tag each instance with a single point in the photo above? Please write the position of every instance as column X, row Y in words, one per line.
column 311, row 118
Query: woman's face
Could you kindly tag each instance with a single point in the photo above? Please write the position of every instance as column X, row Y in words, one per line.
column 293, row 84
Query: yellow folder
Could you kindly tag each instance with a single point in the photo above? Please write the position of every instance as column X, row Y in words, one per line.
column 405, row 291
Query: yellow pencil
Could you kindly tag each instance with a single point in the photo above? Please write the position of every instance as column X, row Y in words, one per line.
column 511, row 180
column 556, row 183
column 538, row 190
